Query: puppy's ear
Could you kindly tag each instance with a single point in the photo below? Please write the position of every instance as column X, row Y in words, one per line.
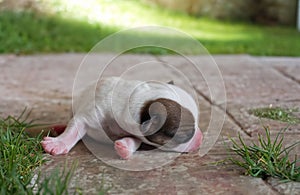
column 151, row 126
column 171, row 82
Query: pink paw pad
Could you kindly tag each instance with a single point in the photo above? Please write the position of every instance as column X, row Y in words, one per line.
column 122, row 147
column 54, row 146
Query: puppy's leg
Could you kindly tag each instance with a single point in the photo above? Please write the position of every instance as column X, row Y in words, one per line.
column 126, row 146
column 66, row 141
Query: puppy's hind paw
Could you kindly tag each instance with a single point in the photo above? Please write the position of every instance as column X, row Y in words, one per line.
column 122, row 149
column 54, row 146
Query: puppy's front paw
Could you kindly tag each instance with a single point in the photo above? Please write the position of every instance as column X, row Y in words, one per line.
column 122, row 148
column 54, row 146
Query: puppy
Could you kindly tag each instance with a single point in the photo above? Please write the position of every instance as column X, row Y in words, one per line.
column 129, row 113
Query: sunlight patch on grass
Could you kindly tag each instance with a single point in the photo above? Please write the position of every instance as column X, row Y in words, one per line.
column 129, row 14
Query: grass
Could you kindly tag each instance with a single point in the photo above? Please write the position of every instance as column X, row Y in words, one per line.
column 28, row 32
column 20, row 158
column 277, row 113
column 267, row 158
column 76, row 27
column 19, row 155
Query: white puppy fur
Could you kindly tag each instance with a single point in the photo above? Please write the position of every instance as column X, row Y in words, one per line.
column 111, row 110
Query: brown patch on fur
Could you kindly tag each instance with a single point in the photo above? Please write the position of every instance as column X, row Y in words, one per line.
column 178, row 127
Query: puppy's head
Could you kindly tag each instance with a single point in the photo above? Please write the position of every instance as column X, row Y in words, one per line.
column 166, row 123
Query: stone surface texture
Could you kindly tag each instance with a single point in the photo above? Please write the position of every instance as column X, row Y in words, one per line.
column 44, row 84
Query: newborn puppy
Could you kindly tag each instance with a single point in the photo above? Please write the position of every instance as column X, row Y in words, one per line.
column 129, row 113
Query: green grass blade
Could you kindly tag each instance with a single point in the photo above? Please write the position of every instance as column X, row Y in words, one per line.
column 269, row 158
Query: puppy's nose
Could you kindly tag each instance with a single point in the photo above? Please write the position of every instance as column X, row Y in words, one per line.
column 195, row 142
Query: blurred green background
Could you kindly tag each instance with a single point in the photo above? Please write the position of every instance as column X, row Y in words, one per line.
column 223, row 27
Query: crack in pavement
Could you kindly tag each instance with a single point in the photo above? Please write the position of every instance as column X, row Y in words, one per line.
column 230, row 116
column 286, row 75
column 270, row 186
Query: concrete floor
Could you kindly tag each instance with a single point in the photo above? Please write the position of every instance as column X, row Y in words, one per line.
column 44, row 84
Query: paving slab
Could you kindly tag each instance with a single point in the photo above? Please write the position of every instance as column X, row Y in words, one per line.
column 288, row 66
column 189, row 174
column 247, row 79
column 44, row 84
